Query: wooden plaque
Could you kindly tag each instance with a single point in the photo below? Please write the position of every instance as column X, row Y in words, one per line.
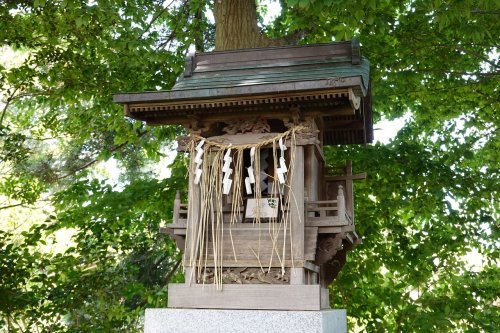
column 265, row 208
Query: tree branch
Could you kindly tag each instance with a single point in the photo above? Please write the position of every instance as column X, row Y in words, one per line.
column 477, row 55
column 173, row 34
column 199, row 45
column 434, row 91
column 90, row 163
column 474, row 54
column 11, row 206
column 7, row 103
column 168, row 40
column 95, row 160
column 457, row 73
column 153, row 20
column 23, row 204
column 485, row 12
column 172, row 272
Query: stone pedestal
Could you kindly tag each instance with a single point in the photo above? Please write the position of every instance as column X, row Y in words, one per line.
column 242, row 321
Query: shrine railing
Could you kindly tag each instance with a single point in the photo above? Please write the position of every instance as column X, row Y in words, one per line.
column 328, row 212
column 324, row 213
column 180, row 213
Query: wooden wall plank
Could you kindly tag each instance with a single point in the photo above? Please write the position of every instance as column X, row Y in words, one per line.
column 233, row 296
column 310, row 241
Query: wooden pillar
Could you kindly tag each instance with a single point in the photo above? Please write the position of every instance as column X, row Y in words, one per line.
column 193, row 218
column 311, row 169
column 297, row 217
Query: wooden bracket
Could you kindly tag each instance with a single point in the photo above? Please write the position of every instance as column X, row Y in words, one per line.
column 354, row 100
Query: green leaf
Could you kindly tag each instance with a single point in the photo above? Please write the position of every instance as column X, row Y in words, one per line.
column 359, row 14
column 79, row 22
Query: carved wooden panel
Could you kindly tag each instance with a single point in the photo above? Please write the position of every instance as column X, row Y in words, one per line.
column 253, row 125
column 246, row 275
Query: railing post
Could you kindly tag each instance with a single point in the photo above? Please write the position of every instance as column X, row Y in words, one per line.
column 177, row 207
column 341, row 202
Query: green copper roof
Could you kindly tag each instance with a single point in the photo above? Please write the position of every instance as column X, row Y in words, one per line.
column 272, row 70
column 277, row 73
column 330, row 81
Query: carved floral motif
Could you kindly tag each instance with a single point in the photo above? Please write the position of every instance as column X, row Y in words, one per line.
column 309, row 131
column 258, row 125
column 245, row 275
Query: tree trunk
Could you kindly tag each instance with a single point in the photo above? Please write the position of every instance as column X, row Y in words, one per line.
column 236, row 26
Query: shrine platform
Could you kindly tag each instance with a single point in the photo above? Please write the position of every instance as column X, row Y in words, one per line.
column 249, row 297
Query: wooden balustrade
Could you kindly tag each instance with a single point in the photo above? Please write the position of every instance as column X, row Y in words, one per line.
column 327, row 213
column 180, row 211
column 318, row 213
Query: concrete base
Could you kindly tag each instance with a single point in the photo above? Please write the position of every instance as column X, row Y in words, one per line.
column 242, row 321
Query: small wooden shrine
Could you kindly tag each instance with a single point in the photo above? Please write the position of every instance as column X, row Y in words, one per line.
column 264, row 226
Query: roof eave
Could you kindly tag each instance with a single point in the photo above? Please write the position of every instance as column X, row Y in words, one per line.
column 354, row 82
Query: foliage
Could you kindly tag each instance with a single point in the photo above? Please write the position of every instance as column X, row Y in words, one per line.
column 114, row 267
column 432, row 193
column 430, row 198
column 424, row 211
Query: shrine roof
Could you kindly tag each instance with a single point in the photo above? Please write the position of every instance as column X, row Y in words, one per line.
column 266, row 70
column 283, row 71
column 330, row 82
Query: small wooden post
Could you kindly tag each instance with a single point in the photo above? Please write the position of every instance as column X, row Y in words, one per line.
column 177, row 207
column 349, row 188
column 341, row 203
